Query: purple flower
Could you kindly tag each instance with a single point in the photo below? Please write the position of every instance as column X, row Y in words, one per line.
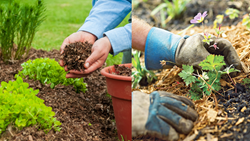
column 199, row 18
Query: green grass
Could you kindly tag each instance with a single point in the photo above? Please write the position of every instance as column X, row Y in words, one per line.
column 63, row 17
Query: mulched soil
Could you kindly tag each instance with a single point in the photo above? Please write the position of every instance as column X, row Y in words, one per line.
column 74, row 110
column 75, row 55
column 122, row 70
column 231, row 119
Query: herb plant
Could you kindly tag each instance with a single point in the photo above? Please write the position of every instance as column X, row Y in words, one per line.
column 20, row 106
column 173, row 9
column 18, row 24
column 141, row 71
column 49, row 71
column 207, row 82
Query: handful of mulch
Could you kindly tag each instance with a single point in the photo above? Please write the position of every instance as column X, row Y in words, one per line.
column 75, row 55
column 122, row 70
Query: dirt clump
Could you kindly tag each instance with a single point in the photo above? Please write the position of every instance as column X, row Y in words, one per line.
column 75, row 55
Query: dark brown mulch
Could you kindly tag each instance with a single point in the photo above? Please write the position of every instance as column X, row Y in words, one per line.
column 84, row 116
column 75, row 54
column 237, row 107
column 123, row 70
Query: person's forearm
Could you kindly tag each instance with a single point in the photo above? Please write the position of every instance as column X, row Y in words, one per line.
column 105, row 15
column 140, row 30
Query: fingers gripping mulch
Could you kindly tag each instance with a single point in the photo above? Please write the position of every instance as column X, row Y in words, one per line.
column 84, row 116
column 75, row 54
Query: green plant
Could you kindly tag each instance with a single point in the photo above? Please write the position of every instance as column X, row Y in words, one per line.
column 18, row 24
column 232, row 13
column 141, row 71
column 173, row 9
column 20, row 106
column 49, row 71
column 207, row 82
column 246, row 81
column 246, row 21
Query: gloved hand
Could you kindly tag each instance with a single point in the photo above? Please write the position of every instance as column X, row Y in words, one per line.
column 164, row 45
column 162, row 115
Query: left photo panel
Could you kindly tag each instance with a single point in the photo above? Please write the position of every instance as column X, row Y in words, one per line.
column 65, row 70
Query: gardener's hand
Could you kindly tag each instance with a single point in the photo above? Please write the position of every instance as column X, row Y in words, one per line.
column 193, row 50
column 80, row 36
column 162, row 115
column 100, row 51
column 176, row 50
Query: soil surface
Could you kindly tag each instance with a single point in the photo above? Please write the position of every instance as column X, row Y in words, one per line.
column 123, row 70
column 75, row 55
column 84, row 116
column 213, row 8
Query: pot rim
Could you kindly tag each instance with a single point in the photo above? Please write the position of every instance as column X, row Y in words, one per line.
column 105, row 73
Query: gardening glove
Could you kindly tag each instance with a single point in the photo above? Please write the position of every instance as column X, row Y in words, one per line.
column 177, row 50
column 162, row 115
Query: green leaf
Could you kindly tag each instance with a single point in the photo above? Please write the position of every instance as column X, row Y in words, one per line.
column 246, row 81
column 186, row 74
column 212, row 62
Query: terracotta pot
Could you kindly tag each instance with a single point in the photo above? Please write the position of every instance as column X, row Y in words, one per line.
column 119, row 87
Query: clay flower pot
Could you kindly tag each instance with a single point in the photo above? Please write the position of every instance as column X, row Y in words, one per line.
column 119, row 87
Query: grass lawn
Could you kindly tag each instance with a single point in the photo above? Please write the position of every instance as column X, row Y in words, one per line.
column 64, row 17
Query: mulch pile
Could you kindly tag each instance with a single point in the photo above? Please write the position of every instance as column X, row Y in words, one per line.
column 75, row 55
column 84, row 116
column 231, row 120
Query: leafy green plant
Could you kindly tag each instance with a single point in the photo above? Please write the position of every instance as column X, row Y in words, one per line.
column 141, row 71
column 18, row 24
column 232, row 13
column 246, row 21
column 173, row 9
column 246, row 81
column 49, row 71
column 20, row 106
column 207, row 82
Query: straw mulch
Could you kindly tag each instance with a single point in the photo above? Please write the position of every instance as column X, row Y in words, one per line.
column 209, row 116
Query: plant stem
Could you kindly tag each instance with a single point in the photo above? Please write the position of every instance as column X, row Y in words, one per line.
column 233, row 82
column 216, row 102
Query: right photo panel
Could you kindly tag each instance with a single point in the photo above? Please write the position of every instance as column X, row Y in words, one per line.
column 190, row 74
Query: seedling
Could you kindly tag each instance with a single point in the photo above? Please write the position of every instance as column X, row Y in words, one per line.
column 173, row 9
column 141, row 71
column 207, row 82
column 232, row 13
column 246, row 21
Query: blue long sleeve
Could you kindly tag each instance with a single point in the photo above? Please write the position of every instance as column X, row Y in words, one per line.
column 104, row 17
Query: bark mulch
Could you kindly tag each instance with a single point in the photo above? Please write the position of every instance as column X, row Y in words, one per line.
column 84, row 116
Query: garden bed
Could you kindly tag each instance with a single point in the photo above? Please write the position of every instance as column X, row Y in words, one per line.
column 231, row 120
column 84, row 116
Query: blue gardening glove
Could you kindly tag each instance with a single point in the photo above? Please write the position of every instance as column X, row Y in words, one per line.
column 162, row 115
column 177, row 50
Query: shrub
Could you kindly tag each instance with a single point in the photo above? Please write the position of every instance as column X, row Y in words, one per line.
column 18, row 24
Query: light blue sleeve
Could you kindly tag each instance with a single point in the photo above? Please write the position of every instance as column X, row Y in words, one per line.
column 120, row 38
column 105, row 15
